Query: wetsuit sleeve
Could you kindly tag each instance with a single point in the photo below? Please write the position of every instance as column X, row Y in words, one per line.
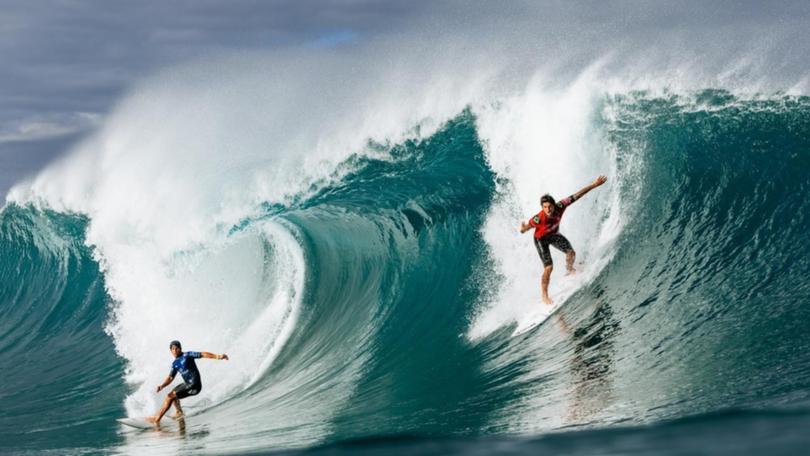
column 194, row 354
column 534, row 221
column 565, row 202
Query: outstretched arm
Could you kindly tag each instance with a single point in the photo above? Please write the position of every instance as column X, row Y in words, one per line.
column 524, row 227
column 213, row 356
column 599, row 181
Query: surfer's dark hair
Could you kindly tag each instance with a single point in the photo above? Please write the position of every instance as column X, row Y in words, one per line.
column 547, row 199
column 175, row 343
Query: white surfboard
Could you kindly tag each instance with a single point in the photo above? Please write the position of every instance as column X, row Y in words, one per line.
column 533, row 318
column 143, row 423
column 565, row 287
column 137, row 423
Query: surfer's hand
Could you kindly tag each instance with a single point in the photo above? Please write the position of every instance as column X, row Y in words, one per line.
column 599, row 181
column 223, row 356
column 160, row 387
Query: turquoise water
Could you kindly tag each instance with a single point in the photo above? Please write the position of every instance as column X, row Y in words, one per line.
column 692, row 337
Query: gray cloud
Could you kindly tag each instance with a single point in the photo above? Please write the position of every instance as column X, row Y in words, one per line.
column 64, row 59
column 93, row 49
column 46, row 127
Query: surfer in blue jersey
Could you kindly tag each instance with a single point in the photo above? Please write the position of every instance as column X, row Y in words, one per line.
column 192, row 382
column 546, row 226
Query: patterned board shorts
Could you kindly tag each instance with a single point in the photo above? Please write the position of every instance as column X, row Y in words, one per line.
column 557, row 240
column 185, row 390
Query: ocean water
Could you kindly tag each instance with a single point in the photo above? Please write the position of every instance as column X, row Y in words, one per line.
column 365, row 274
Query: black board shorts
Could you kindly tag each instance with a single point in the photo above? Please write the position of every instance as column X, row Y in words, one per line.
column 557, row 240
column 185, row 390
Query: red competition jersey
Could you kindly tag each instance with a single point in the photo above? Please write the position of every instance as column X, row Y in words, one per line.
column 549, row 224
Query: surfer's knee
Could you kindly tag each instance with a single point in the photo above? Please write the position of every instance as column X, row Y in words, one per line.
column 548, row 269
column 172, row 395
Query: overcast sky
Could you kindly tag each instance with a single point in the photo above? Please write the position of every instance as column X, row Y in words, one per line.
column 64, row 63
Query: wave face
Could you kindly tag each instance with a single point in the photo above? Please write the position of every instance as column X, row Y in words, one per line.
column 383, row 297
column 59, row 368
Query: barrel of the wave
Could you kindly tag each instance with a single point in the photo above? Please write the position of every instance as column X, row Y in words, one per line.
column 393, row 251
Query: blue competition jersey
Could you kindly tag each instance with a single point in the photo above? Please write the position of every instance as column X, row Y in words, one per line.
column 187, row 367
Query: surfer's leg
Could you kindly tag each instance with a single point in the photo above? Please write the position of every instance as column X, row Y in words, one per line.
column 171, row 397
column 545, row 255
column 182, row 391
column 544, row 283
column 178, row 410
column 561, row 243
column 570, row 256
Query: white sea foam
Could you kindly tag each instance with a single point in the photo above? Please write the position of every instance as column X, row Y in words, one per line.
column 545, row 141
column 239, row 296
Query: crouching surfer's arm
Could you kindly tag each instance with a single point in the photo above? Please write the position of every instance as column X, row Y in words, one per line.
column 524, row 227
column 165, row 383
column 213, row 355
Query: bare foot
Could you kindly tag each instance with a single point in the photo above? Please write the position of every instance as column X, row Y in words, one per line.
column 547, row 300
column 152, row 419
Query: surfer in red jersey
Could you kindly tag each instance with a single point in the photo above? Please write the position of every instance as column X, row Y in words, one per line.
column 546, row 226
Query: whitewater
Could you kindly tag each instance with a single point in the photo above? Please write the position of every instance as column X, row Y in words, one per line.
column 344, row 224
